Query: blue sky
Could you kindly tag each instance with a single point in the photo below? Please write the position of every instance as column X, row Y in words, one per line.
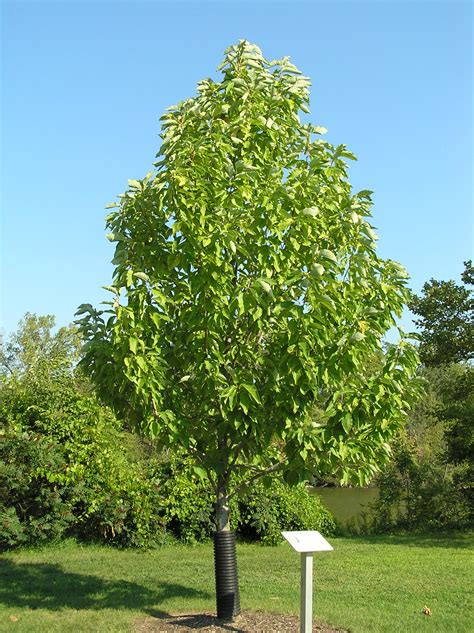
column 84, row 84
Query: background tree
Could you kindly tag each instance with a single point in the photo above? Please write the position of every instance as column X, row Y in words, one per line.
column 35, row 345
column 430, row 482
column 447, row 347
column 446, row 312
column 247, row 289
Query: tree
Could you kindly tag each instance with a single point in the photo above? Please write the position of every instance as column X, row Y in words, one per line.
column 432, row 470
column 429, row 482
column 247, row 290
column 35, row 346
column 446, row 312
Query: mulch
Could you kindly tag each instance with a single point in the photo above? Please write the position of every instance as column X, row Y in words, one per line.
column 246, row 622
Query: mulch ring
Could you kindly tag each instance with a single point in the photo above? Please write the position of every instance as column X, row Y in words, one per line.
column 246, row 622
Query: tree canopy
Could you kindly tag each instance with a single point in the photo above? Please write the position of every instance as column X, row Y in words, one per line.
column 35, row 348
column 446, row 319
column 247, row 290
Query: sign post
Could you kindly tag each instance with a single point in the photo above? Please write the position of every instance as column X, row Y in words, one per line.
column 306, row 543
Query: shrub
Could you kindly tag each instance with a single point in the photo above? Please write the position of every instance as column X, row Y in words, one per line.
column 266, row 510
column 65, row 468
column 33, row 507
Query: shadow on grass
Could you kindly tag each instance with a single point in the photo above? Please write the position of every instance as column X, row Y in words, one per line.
column 452, row 540
column 46, row 586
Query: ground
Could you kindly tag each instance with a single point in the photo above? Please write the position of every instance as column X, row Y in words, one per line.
column 246, row 622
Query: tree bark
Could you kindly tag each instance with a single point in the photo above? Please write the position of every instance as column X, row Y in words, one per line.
column 222, row 505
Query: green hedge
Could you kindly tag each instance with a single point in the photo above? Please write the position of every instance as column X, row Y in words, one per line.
column 107, row 501
column 66, row 469
column 47, row 492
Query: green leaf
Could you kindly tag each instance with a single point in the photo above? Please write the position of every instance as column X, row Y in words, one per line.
column 84, row 307
column 265, row 285
column 116, row 236
column 232, row 396
column 240, row 302
column 328, row 254
column 142, row 276
column 347, row 422
column 244, row 401
column 401, row 270
column 317, row 269
column 311, row 212
column 369, row 232
column 251, row 389
column 200, row 472
column 326, row 301
column 111, row 289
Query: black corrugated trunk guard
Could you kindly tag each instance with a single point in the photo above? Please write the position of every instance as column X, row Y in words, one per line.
column 227, row 584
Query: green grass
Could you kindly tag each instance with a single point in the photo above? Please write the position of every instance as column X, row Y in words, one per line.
column 374, row 584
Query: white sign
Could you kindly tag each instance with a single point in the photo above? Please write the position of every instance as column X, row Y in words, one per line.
column 307, row 541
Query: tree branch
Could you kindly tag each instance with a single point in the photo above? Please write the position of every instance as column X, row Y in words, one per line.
column 261, row 473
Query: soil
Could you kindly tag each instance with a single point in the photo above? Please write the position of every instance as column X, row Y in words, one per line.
column 246, row 622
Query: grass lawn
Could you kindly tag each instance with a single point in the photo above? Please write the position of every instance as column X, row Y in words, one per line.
column 373, row 584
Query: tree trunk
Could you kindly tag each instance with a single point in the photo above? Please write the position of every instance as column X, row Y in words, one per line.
column 225, row 559
column 222, row 507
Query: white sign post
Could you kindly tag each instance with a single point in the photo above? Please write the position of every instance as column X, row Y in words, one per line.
column 306, row 543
